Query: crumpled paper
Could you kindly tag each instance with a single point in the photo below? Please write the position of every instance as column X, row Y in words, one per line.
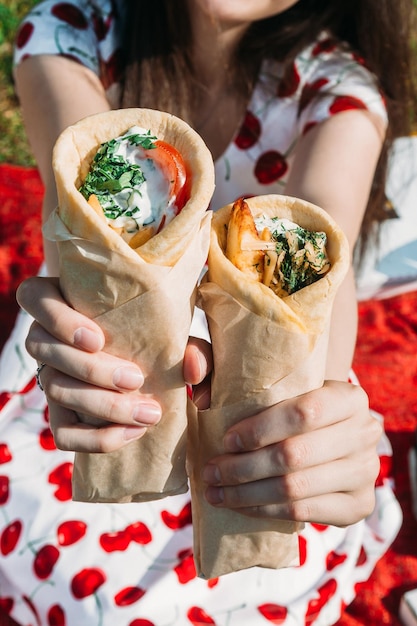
column 145, row 312
column 142, row 298
column 266, row 349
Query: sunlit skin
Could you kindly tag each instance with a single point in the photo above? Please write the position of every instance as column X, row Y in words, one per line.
column 217, row 28
column 237, row 12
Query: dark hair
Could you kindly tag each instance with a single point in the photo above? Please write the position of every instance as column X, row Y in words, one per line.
column 378, row 30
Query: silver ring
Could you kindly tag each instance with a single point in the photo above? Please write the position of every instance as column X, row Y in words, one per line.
column 37, row 375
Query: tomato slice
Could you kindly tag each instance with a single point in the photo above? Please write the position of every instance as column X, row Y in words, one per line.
column 170, row 161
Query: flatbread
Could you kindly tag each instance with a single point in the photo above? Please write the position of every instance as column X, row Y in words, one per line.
column 266, row 349
column 143, row 299
column 76, row 148
column 292, row 310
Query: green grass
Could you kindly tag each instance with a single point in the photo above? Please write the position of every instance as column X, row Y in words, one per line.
column 13, row 144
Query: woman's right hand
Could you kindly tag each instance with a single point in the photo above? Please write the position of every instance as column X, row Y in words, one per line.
column 80, row 377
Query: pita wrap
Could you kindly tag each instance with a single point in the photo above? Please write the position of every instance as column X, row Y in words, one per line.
column 266, row 349
column 142, row 298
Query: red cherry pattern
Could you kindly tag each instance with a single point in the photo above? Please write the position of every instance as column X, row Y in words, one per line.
column 28, row 387
column 46, row 439
column 45, row 560
column 119, row 541
column 5, row 454
column 310, row 91
column 5, row 396
column 115, row 542
column 249, row 132
column 33, row 609
column 270, row 167
column 71, row 531
column 289, row 83
column 139, row 533
column 24, row 34
column 385, row 470
column 302, row 549
column 175, row 522
column 61, row 477
column 56, row 616
column 321, row 528
column 198, row 616
column 346, row 103
column 128, row 596
column 308, row 127
column 141, row 622
column 362, row 558
column 67, row 13
column 359, row 58
column 112, row 69
column 70, row 14
column 325, row 592
column 185, row 570
column 87, row 582
column 274, row 613
column 334, row 559
column 6, row 604
column 325, row 46
column 4, row 489
column 101, row 26
column 10, row 537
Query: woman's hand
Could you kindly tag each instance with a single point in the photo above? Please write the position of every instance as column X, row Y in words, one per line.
column 80, row 377
column 310, row 459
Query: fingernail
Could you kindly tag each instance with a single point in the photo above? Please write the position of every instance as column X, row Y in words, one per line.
column 128, row 377
column 134, row 432
column 211, row 474
column 232, row 442
column 215, row 495
column 87, row 339
column 202, row 398
column 147, row 413
column 202, row 365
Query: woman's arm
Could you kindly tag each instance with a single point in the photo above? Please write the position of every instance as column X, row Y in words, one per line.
column 54, row 92
column 334, row 169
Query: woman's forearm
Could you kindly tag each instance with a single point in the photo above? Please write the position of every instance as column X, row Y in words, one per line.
column 49, row 103
column 343, row 331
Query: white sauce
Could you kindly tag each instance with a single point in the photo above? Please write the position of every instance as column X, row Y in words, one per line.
column 274, row 225
column 151, row 201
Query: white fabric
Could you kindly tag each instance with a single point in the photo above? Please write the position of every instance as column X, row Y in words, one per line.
column 391, row 267
column 80, row 564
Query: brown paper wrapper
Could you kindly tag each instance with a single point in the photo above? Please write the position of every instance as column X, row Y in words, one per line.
column 266, row 349
column 143, row 300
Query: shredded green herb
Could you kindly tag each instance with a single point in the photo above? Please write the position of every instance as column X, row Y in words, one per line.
column 110, row 173
column 303, row 257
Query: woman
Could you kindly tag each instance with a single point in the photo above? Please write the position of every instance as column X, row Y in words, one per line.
column 296, row 71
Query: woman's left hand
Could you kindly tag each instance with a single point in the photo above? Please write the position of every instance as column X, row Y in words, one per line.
column 310, row 459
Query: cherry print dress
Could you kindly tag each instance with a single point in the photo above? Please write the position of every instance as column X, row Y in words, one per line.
column 67, row 563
